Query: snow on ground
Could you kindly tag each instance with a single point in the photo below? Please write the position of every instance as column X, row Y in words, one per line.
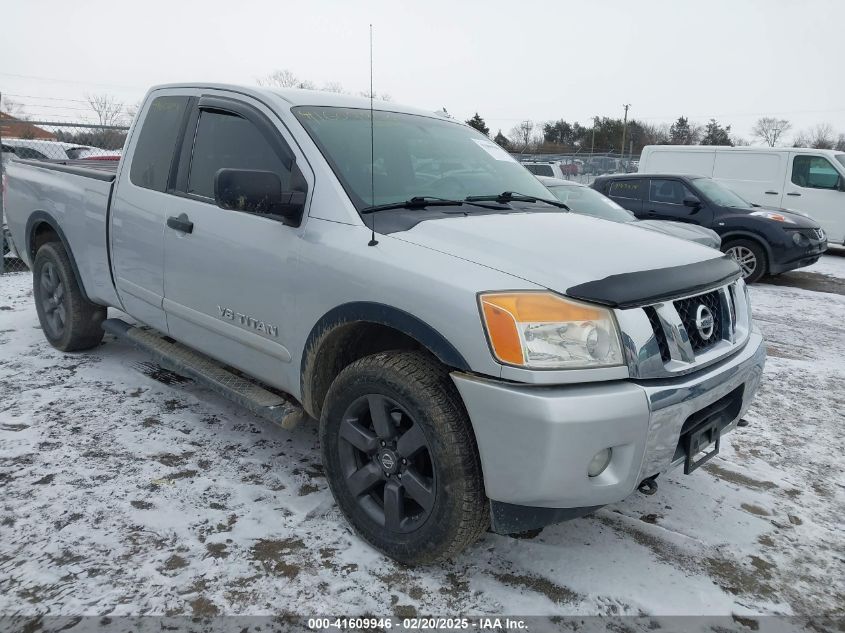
column 123, row 494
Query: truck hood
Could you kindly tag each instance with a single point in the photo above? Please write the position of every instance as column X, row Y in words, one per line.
column 552, row 249
column 692, row 232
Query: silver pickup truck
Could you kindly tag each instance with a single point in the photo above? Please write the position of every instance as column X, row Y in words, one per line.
column 476, row 355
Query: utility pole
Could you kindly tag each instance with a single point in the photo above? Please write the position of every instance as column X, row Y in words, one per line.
column 624, row 129
column 593, row 144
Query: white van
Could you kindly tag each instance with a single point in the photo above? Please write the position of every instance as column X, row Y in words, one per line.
column 811, row 181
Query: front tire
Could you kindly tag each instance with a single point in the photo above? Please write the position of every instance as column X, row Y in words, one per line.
column 70, row 322
column 401, row 458
column 750, row 256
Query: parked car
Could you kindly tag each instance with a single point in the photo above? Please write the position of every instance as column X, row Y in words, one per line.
column 762, row 240
column 55, row 150
column 582, row 199
column 252, row 228
column 8, row 249
column 599, row 165
column 809, row 181
column 41, row 149
column 549, row 168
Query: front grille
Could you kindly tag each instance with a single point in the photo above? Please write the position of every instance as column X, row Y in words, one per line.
column 659, row 334
column 688, row 310
column 663, row 339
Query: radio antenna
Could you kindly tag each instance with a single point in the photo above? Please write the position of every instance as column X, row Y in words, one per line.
column 373, row 240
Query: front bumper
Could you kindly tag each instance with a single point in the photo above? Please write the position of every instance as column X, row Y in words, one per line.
column 536, row 442
column 792, row 257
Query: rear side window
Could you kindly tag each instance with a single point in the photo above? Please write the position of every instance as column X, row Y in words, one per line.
column 28, row 152
column 154, row 150
column 667, row 191
column 814, row 172
column 229, row 141
column 540, row 170
column 625, row 189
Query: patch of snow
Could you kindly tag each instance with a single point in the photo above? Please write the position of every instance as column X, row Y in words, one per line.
column 122, row 495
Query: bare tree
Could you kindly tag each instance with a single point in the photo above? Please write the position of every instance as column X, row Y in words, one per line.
column 12, row 108
column 821, row 136
column 132, row 110
column 655, row 134
column 383, row 96
column 770, row 130
column 739, row 141
column 285, row 79
column 109, row 111
column 840, row 143
column 333, row 86
column 521, row 135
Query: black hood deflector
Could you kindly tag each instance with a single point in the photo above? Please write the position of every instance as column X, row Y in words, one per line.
column 631, row 290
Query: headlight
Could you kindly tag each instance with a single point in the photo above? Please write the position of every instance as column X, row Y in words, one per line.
column 541, row 330
column 771, row 215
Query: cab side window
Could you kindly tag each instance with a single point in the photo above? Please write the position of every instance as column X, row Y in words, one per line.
column 667, row 191
column 225, row 140
column 153, row 152
column 814, row 172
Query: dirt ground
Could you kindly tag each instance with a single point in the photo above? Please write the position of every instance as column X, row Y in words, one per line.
column 125, row 489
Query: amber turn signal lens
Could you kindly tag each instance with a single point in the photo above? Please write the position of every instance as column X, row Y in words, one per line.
column 504, row 311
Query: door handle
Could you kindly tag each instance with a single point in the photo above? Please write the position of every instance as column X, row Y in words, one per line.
column 772, row 193
column 793, row 193
column 181, row 223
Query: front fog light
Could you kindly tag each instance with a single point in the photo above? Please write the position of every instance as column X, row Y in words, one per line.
column 599, row 462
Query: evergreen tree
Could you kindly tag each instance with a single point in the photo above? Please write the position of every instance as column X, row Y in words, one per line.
column 478, row 123
column 715, row 134
column 502, row 140
column 682, row 133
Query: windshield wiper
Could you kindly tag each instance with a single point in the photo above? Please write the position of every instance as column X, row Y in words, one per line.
column 512, row 196
column 417, row 202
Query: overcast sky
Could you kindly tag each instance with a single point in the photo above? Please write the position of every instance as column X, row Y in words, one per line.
column 734, row 60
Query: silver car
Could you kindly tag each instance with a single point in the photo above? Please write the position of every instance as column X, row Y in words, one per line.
column 584, row 200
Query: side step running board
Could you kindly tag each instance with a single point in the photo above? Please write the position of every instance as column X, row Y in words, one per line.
column 183, row 360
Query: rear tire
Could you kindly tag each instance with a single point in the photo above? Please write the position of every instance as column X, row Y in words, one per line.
column 401, row 459
column 70, row 322
column 751, row 257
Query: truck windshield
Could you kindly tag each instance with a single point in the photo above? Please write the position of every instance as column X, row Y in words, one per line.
column 841, row 159
column 413, row 156
column 720, row 195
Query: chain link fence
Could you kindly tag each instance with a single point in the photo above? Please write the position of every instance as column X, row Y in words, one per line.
column 75, row 143
column 582, row 167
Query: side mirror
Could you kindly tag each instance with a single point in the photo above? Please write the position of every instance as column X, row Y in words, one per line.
column 258, row 192
column 841, row 186
column 693, row 202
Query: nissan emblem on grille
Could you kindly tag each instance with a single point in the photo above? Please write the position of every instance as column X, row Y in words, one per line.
column 704, row 321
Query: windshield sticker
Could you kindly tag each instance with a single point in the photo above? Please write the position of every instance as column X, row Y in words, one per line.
column 494, row 150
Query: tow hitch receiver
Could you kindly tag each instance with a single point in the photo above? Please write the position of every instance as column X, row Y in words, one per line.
column 705, row 439
column 648, row 486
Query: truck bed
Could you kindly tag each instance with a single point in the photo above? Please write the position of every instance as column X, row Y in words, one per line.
column 73, row 197
column 100, row 169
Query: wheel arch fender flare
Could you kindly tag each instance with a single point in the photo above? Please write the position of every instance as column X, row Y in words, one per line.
column 379, row 314
column 36, row 219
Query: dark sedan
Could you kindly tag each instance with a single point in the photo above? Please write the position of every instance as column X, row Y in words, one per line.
column 762, row 240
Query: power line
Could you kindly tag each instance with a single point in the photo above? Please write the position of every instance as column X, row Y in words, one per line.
column 8, row 94
column 71, row 81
